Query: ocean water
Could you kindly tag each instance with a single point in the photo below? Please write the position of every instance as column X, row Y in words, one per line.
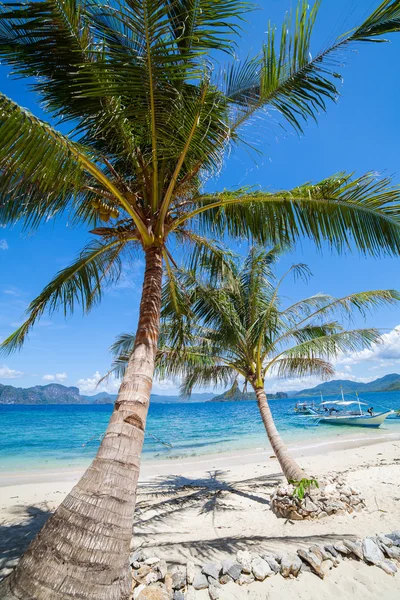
column 57, row 436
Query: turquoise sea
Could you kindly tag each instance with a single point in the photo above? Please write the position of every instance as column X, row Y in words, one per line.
column 60, row 436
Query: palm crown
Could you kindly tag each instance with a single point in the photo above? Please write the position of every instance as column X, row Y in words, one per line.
column 151, row 115
column 238, row 327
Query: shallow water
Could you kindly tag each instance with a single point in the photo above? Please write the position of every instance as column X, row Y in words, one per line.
column 60, row 436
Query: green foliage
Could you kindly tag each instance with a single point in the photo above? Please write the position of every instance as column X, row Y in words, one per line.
column 239, row 326
column 301, row 487
column 149, row 120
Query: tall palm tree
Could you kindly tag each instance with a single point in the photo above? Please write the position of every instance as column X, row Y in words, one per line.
column 149, row 121
column 242, row 330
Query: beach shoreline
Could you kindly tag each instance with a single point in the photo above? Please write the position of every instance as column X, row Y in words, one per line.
column 151, row 466
column 209, row 507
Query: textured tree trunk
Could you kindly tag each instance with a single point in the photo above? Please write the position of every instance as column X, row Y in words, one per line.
column 82, row 552
column 290, row 468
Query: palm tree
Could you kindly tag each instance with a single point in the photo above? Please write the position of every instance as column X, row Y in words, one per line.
column 243, row 330
column 149, row 121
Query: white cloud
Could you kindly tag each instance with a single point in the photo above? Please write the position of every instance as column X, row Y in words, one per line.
column 3, row 244
column 60, row 377
column 89, row 385
column 386, row 352
column 12, row 292
column 6, row 373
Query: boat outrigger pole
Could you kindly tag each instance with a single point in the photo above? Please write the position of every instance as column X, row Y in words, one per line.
column 359, row 404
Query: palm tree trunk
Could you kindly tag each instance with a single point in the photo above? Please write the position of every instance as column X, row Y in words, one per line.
column 83, row 550
column 290, row 468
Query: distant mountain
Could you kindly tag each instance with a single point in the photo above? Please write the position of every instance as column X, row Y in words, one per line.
column 104, row 398
column 388, row 383
column 238, row 395
column 55, row 393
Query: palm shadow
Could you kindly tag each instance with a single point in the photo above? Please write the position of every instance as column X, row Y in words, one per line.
column 170, row 496
column 16, row 537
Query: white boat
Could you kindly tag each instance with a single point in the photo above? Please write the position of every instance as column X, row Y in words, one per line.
column 334, row 416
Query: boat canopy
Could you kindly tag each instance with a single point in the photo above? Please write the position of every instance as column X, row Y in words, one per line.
column 343, row 402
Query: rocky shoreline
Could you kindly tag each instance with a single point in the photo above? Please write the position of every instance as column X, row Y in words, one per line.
column 154, row 580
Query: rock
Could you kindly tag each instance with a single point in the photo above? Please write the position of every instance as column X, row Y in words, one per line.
column 290, row 565
column 141, row 574
column 260, row 568
column 244, row 558
column 152, row 560
column 138, row 590
column 387, row 566
column 355, row 548
column 395, row 537
column 190, row 572
column 168, row 584
column 161, row 568
column 245, row 579
column 214, row 592
column 341, row 548
column 200, row 581
column 152, row 593
column 190, row 594
column 391, row 551
column 313, row 560
column 137, row 556
column 371, row 551
column 135, row 565
column 224, row 579
column 178, row 580
column 212, row 570
column 309, row 505
column 383, row 539
column 322, row 514
column 273, row 563
column 235, row 571
column 152, row 577
column 329, row 548
column 320, row 552
column 327, row 565
column 226, row 565
column 178, row 595
column 295, row 516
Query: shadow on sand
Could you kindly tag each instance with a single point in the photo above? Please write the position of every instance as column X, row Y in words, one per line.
column 15, row 537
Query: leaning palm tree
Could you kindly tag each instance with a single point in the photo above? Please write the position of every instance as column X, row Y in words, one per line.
column 149, row 120
column 242, row 330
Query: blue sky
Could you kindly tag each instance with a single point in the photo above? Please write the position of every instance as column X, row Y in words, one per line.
column 360, row 133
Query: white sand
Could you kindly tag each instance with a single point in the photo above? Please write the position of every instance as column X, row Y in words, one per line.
column 213, row 506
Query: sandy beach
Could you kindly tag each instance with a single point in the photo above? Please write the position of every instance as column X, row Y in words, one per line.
column 212, row 506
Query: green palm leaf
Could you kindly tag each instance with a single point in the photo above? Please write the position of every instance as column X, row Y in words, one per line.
column 339, row 210
column 288, row 77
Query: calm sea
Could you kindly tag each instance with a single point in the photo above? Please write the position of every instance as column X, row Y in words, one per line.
column 39, row 437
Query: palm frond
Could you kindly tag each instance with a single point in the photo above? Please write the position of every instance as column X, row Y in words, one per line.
column 40, row 169
column 204, row 376
column 302, row 367
column 82, row 283
column 340, row 210
column 330, row 346
column 288, row 77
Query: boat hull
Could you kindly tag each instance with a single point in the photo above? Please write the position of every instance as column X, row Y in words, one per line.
column 354, row 420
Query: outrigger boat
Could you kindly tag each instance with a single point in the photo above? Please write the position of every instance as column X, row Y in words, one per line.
column 334, row 416
column 305, row 408
column 302, row 408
